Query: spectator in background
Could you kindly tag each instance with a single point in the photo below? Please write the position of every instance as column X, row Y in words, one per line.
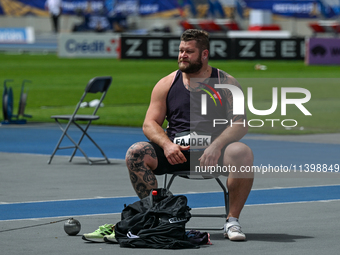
column 118, row 22
column 54, row 8
column 215, row 10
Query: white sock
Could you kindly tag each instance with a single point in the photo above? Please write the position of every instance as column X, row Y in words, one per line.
column 230, row 219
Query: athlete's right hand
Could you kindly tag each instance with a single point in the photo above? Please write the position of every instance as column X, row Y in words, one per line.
column 174, row 154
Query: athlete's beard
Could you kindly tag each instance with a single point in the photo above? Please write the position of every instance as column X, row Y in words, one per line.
column 193, row 67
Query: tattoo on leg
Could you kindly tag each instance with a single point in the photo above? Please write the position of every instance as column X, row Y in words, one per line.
column 141, row 190
column 149, row 177
column 133, row 177
column 141, row 176
column 135, row 160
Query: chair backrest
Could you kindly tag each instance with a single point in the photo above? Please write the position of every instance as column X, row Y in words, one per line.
column 98, row 84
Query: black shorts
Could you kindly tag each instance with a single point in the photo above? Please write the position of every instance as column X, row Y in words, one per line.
column 165, row 167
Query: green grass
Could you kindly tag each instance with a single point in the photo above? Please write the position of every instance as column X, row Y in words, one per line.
column 57, row 84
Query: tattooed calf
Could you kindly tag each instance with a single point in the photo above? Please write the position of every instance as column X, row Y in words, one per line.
column 142, row 178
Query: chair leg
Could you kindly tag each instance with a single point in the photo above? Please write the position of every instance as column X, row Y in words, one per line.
column 170, row 182
column 89, row 137
column 76, row 146
column 226, row 201
column 55, row 149
column 79, row 141
column 100, row 149
column 226, row 196
column 164, row 180
column 60, row 140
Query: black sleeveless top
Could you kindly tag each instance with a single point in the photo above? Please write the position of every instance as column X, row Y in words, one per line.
column 184, row 108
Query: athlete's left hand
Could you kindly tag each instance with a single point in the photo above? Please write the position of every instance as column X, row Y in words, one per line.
column 210, row 156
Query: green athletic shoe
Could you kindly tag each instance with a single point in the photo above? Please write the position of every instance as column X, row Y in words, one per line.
column 98, row 235
column 111, row 238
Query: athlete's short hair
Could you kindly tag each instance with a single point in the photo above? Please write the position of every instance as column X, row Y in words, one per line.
column 200, row 36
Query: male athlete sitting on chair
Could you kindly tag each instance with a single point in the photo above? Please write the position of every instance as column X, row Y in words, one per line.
column 177, row 98
column 171, row 100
